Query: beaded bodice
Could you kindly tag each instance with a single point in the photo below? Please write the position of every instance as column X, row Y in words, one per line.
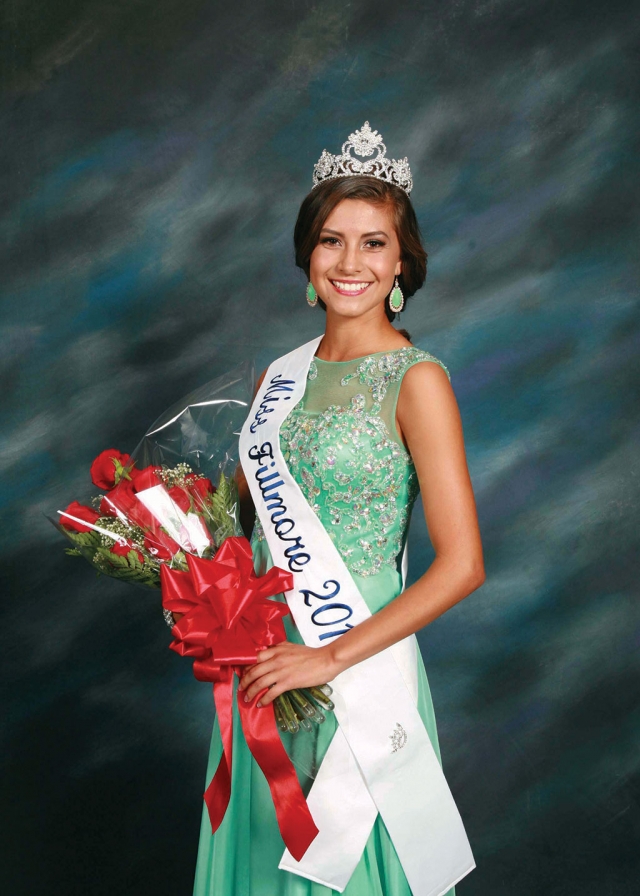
column 344, row 451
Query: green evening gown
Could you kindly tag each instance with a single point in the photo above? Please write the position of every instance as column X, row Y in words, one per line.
column 343, row 448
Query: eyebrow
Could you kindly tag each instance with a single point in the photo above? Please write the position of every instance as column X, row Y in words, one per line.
column 371, row 233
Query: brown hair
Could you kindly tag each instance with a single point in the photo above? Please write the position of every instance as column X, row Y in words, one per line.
column 322, row 200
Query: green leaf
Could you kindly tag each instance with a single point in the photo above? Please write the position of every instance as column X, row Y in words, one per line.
column 86, row 539
column 223, row 507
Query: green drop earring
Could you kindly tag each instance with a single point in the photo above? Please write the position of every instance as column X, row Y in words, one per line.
column 396, row 299
column 312, row 295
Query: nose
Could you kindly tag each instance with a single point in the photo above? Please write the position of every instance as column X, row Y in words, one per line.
column 350, row 261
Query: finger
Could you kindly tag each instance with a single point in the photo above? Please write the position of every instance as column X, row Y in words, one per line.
column 250, row 671
column 270, row 694
column 247, row 669
column 261, row 684
column 251, row 674
column 269, row 653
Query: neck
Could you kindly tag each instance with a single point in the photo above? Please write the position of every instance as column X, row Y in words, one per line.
column 352, row 337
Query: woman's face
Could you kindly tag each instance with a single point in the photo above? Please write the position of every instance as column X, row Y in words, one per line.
column 357, row 258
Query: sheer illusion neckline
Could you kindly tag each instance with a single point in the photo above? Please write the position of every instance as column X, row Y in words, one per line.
column 387, row 351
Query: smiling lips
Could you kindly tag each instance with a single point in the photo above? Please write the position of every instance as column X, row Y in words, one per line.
column 350, row 287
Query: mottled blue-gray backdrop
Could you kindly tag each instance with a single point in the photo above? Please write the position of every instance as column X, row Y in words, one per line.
column 154, row 154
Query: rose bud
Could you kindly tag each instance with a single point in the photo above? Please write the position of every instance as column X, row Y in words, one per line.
column 82, row 513
column 108, row 468
column 180, row 498
column 147, row 478
column 122, row 498
column 200, row 488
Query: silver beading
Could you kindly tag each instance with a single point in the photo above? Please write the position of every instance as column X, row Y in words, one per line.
column 364, row 143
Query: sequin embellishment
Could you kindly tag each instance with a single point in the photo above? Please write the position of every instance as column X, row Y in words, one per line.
column 357, row 478
column 345, row 459
column 378, row 371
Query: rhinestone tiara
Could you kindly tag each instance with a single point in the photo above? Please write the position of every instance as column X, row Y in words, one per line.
column 364, row 143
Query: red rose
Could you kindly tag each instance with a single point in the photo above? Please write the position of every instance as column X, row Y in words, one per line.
column 160, row 545
column 107, row 468
column 123, row 498
column 123, row 549
column 82, row 513
column 180, row 498
column 146, row 478
column 200, row 488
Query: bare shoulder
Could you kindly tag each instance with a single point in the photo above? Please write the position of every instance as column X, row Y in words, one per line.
column 424, row 380
column 429, row 421
column 425, row 370
column 427, row 404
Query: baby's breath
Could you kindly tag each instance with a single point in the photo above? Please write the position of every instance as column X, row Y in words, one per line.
column 172, row 476
column 133, row 534
column 101, row 562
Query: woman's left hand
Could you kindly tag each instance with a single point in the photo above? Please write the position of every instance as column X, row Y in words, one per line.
column 284, row 667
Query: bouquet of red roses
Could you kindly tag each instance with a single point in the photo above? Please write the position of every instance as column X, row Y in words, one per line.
column 150, row 516
column 168, row 518
column 160, row 516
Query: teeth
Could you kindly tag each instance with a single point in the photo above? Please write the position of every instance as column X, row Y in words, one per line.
column 350, row 287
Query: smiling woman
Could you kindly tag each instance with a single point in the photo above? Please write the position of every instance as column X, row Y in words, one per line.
column 343, row 433
column 383, row 239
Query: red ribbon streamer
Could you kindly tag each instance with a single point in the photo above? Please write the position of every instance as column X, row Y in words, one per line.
column 227, row 618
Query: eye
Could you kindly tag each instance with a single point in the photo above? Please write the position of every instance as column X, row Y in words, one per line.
column 375, row 244
column 329, row 240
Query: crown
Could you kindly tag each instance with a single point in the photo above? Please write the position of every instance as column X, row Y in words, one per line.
column 364, row 143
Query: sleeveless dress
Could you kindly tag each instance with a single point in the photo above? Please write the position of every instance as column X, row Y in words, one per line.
column 344, row 451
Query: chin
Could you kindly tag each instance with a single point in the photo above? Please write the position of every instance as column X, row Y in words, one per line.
column 348, row 310
column 346, row 307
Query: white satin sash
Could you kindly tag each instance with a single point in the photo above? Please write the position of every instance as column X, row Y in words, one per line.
column 380, row 758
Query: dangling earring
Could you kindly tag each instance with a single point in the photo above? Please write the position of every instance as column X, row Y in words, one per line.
column 396, row 299
column 312, row 295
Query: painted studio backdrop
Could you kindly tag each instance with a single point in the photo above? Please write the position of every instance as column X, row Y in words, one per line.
column 154, row 155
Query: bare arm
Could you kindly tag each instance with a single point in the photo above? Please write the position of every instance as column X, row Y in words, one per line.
column 429, row 421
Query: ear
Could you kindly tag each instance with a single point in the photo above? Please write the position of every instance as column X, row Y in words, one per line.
column 398, row 270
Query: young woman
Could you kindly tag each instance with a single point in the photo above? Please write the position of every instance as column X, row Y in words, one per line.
column 374, row 422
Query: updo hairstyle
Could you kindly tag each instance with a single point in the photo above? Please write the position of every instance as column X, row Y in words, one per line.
column 322, row 200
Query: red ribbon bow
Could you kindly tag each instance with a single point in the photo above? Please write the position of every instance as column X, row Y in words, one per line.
column 227, row 618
